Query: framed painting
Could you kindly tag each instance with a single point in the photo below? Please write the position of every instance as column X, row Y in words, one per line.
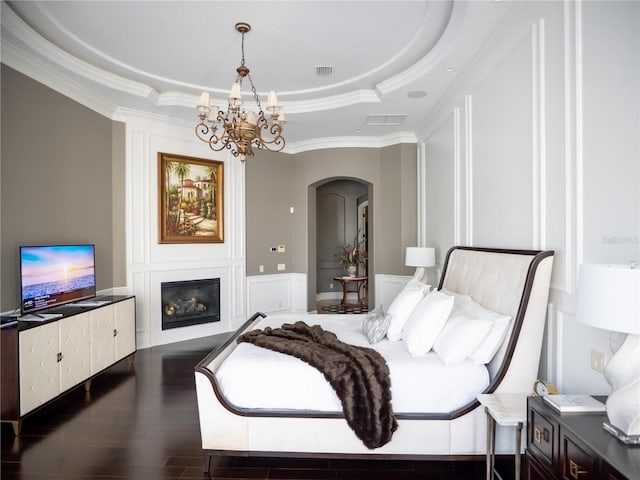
column 190, row 199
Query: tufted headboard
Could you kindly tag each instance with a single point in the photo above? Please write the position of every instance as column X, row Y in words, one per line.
column 511, row 282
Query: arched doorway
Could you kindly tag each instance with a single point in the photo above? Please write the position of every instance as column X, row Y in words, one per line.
column 339, row 213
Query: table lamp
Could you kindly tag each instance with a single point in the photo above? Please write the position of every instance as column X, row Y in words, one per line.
column 609, row 298
column 421, row 258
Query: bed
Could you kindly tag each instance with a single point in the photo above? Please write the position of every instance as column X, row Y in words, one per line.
column 239, row 386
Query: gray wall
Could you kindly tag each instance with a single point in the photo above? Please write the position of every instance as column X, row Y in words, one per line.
column 57, row 180
column 276, row 182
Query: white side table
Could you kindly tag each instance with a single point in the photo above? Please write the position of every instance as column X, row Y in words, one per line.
column 506, row 409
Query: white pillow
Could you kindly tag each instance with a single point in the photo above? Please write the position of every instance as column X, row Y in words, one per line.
column 426, row 322
column 491, row 343
column 460, row 336
column 403, row 305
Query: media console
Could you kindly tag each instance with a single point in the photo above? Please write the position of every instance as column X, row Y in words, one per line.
column 43, row 360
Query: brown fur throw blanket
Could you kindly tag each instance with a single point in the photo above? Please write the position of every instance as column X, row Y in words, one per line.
column 360, row 376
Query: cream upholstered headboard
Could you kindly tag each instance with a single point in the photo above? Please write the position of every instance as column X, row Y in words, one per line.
column 511, row 282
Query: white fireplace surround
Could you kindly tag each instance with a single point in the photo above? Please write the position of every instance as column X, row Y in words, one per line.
column 149, row 263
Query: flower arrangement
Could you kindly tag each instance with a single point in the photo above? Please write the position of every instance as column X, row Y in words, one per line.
column 352, row 254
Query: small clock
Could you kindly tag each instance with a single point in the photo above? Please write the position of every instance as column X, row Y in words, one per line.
column 542, row 389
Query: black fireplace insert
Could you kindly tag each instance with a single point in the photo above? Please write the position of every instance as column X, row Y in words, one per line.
column 190, row 302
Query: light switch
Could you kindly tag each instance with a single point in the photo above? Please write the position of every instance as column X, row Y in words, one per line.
column 281, row 266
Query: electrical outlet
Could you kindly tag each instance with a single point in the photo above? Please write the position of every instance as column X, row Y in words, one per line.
column 281, row 248
column 261, row 268
column 597, row 361
column 281, row 266
column 331, row 286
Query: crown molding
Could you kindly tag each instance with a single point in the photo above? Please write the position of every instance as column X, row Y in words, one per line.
column 37, row 46
column 42, row 73
column 350, row 142
column 432, row 58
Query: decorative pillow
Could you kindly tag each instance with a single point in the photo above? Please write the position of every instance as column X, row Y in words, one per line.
column 460, row 337
column 491, row 343
column 376, row 324
column 426, row 322
column 403, row 305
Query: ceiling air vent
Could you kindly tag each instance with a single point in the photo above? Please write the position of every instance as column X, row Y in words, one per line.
column 324, row 70
column 385, row 120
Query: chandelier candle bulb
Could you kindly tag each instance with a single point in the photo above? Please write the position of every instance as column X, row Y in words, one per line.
column 272, row 101
column 204, row 100
column 236, row 93
column 213, row 114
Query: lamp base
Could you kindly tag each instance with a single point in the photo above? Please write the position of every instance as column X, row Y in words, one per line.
column 620, row 435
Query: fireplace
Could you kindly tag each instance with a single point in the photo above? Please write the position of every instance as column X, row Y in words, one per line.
column 190, row 302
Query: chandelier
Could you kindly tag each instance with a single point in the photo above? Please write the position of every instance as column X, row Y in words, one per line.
column 239, row 129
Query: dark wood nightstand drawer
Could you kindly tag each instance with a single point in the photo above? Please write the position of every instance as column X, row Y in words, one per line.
column 574, row 446
column 542, row 435
column 578, row 462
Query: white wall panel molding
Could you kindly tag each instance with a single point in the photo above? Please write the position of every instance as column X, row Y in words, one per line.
column 555, row 342
column 150, row 263
column 573, row 130
column 457, row 177
column 441, row 187
column 549, row 347
column 139, row 283
column 276, row 293
column 299, row 285
column 574, row 12
column 135, row 181
column 238, row 294
column 421, row 198
column 387, row 287
column 538, row 160
column 468, row 167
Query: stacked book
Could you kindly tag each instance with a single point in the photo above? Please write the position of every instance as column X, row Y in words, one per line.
column 575, row 403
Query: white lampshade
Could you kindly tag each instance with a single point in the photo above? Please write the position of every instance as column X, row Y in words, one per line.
column 609, row 297
column 420, row 257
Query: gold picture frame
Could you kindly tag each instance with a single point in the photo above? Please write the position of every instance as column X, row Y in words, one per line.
column 190, row 199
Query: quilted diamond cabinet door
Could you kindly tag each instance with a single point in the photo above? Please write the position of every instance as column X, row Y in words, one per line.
column 75, row 365
column 39, row 370
column 125, row 313
column 102, row 343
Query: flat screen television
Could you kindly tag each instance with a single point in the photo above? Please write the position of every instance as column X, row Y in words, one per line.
column 53, row 275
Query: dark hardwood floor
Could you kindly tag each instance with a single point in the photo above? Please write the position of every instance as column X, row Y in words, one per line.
column 144, row 425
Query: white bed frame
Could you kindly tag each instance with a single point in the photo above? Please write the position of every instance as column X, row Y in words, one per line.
column 512, row 282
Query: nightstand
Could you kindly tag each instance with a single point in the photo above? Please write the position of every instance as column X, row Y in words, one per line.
column 505, row 409
column 574, row 446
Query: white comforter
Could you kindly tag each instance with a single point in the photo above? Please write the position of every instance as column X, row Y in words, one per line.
column 254, row 377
